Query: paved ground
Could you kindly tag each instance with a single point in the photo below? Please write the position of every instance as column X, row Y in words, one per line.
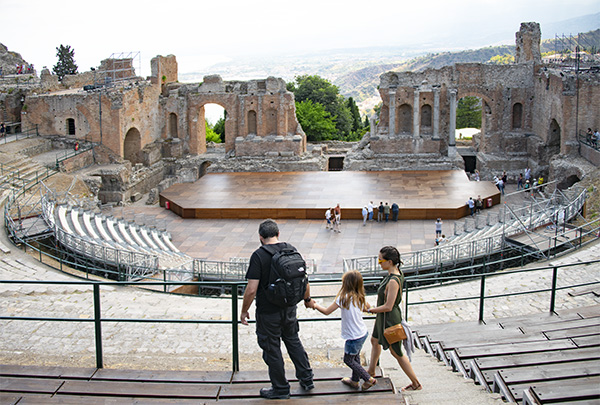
column 223, row 239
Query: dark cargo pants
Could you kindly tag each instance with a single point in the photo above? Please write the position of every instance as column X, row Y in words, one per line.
column 270, row 330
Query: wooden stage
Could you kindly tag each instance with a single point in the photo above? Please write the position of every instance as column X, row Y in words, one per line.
column 306, row 195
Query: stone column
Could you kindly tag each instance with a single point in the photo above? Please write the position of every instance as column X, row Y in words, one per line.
column 281, row 127
column 260, row 131
column 452, row 129
column 416, row 114
column 392, row 117
column 373, row 125
column 436, row 113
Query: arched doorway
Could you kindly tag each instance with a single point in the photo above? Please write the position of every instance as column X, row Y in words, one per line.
column 517, row 116
column 215, row 116
column 132, row 147
column 553, row 139
column 252, row 122
column 70, row 126
column 173, row 130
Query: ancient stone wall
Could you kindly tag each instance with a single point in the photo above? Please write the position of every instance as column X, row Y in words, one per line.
column 260, row 116
column 164, row 69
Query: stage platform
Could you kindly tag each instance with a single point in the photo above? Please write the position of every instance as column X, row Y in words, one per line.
column 306, row 195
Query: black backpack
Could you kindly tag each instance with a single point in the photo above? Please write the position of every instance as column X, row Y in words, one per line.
column 287, row 279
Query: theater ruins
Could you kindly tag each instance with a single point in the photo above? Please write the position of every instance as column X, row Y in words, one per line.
column 154, row 128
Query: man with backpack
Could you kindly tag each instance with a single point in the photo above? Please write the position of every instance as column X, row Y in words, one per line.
column 277, row 278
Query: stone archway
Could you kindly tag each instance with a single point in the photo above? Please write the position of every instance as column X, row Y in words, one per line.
column 553, row 142
column 173, row 127
column 132, row 146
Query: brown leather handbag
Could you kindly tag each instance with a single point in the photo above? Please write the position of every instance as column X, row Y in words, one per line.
column 394, row 334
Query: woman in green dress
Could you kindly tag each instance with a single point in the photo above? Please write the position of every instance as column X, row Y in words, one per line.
column 388, row 313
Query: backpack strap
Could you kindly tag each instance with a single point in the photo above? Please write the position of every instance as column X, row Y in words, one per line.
column 271, row 249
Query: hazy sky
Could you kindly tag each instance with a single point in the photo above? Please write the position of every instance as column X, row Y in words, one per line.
column 201, row 33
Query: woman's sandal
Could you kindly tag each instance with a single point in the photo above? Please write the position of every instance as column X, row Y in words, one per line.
column 413, row 388
column 368, row 384
column 348, row 381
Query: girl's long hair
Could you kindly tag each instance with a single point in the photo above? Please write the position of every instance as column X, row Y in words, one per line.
column 352, row 290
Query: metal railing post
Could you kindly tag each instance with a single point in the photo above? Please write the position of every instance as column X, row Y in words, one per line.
column 553, row 292
column 234, row 328
column 481, row 298
column 98, row 326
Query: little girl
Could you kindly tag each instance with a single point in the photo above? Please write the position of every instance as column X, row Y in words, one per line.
column 351, row 299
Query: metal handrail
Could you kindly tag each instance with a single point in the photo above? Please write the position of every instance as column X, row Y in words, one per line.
column 98, row 319
column 452, row 253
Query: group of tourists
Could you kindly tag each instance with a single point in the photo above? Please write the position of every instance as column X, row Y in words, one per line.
column 333, row 216
column 593, row 137
column 275, row 323
column 383, row 212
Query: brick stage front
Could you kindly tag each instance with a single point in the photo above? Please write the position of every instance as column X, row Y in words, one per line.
column 306, row 195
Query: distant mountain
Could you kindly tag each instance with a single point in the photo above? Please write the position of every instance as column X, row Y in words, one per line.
column 572, row 26
column 362, row 84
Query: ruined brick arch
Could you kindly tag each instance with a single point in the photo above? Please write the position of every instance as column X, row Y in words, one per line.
column 404, row 119
column 200, row 133
column 132, row 146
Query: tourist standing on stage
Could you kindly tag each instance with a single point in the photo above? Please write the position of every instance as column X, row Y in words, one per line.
column 438, row 227
column 395, row 212
column 389, row 314
column 273, row 322
column 386, row 211
column 338, row 216
column 365, row 215
column 370, row 209
column 328, row 214
column 380, row 212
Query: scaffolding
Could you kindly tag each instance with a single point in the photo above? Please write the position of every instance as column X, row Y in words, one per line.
column 121, row 67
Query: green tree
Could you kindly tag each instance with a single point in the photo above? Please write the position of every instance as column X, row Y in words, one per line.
column 66, row 62
column 505, row 59
column 468, row 113
column 315, row 121
column 211, row 135
column 219, row 128
column 321, row 91
column 355, row 114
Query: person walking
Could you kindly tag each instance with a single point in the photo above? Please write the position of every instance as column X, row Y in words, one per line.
column 351, row 299
column 365, row 215
column 328, row 214
column 389, row 296
column 273, row 322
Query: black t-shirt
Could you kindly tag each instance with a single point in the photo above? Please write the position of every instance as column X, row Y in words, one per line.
column 259, row 269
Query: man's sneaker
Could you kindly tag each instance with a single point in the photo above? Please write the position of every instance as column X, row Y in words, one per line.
column 307, row 385
column 271, row 393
